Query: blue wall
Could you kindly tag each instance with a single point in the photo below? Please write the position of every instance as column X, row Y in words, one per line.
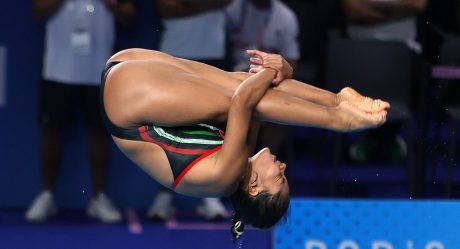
column 20, row 177
column 376, row 224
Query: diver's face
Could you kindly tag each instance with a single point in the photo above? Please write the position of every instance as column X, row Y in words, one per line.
column 267, row 174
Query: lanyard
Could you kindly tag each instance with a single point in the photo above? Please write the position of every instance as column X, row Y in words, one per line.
column 261, row 32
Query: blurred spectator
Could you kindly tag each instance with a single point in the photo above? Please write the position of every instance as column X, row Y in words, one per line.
column 267, row 25
column 270, row 26
column 193, row 29
column 387, row 21
column 315, row 19
column 79, row 39
column 384, row 20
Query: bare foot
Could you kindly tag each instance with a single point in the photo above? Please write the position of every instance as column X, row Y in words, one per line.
column 355, row 119
column 364, row 103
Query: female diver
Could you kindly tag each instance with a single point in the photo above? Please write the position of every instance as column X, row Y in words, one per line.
column 159, row 110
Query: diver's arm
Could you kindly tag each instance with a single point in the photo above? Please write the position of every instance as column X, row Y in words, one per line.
column 238, row 144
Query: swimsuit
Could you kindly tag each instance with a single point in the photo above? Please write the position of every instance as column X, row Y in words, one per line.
column 184, row 146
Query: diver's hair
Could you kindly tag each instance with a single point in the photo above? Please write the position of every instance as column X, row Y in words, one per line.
column 261, row 211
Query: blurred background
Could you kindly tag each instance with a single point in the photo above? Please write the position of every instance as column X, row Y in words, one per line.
column 404, row 51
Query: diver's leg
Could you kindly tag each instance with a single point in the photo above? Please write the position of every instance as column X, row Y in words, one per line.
column 280, row 107
column 231, row 80
column 165, row 96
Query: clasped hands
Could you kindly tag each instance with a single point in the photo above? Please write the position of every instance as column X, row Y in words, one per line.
column 261, row 60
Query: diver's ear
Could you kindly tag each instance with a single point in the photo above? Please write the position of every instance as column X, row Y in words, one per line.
column 253, row 186
column 253, row 190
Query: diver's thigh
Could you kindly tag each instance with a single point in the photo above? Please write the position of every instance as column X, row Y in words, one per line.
column 184, row 103
column 151, row 92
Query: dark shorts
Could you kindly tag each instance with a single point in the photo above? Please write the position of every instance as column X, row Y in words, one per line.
column 62, row 104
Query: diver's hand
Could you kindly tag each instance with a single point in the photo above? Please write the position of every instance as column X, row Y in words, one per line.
column 262, row 60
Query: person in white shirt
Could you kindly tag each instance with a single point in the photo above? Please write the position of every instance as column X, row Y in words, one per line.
column 384, row 20
column 80, row 36
column 267, row 25
column 194, row 29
